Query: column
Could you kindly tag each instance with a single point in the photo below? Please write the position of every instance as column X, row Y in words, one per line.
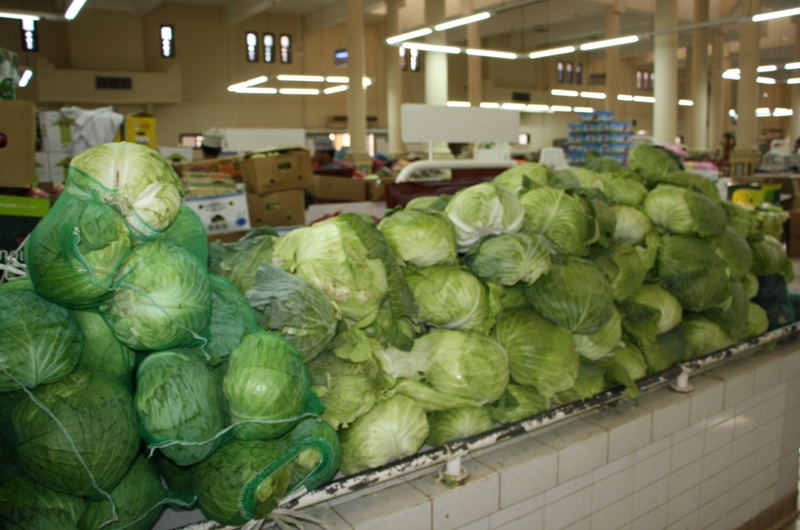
column 356, row 95
column 613, row 62
column 697, row 128
column 794, row 130
column 665, row 109
column 747, row 89
column 435, row 66
column 394, row 82
column 474, row 63
column 715, row 111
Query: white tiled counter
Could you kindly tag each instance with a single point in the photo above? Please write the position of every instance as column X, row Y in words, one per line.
column 723, row 457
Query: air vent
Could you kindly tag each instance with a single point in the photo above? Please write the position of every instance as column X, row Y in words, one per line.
column 523, row 97
column 597, row 79
column 113, row 83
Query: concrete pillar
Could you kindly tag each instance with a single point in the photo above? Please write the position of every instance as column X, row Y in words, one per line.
column 747, row 89
column 357, row 94
column 697, row 128
column 474, row 63
column 665, row 109
column 613, row 61
column 794, row 130
column 435, row 66
column 716, row 113
column 394, row 82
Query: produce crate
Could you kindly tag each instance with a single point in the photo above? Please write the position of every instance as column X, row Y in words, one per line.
column 278, row 170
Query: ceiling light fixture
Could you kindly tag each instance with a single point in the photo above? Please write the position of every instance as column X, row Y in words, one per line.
column 248, row 83
column 18, row 16
column 302, row 78
column 792, row 66
column 25, row 78
column 408, row 36
column 299, row 91
column 778, row 112
column 335, row 89
column 560, row 108
column 582, row 109
column 489, row 105
column 337, row 79
column 255, row 90
column 763, row 112
column 549, row 53
column 732, row 73
column 767, row 68
column 610, row 42
column 567, row 93
column 793, row 81
column 593, row 95
column 776, row 14
column 765, row 80
column 513, row 106
column 462, row 21
column 537, row 108
column 431, row 47
column 644, row 99
column 624, row 97
column 685, row 102
column 73, row 9
column 459, row 104
column 491, row 53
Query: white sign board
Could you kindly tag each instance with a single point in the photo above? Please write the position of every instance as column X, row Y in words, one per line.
column 241, row 140
column 424, row 123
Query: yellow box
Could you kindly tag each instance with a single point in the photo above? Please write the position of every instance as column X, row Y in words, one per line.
column 141, row 129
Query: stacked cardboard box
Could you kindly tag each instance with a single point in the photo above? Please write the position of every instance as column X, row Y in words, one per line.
column 217, row 200
column 276, row 180
column 598, row 132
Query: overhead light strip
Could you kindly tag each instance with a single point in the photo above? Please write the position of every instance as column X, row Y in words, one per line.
column 567, row 93
column 551, row 52
column 593, row 95
column 776, row 14
column 302, row 78
column 459, row 104
column 73, row 9
column 335, row 89
column 299, row 91
column 462, row 21
column 408, row 36
column 491, row 53
column 610, row 42
column 685, row 102
column 25, row 78
column 432, row 47
column 18, row 16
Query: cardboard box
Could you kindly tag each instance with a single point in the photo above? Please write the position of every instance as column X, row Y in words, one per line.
column 141, row 129
column 232, row 165
column 58, row 165
column 287, row 170
column 177, row 155
column 282, row 208
column 338, row 188
column 792, row 234
column 17, row 144
column 208, row 184
column 57, row 131
column 222, row 213
column 42, row 167
column 18, row 217
column 376, row 189
column 9, row 74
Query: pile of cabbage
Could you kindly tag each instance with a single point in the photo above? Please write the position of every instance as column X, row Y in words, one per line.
column 123, row 362
column 454, row 315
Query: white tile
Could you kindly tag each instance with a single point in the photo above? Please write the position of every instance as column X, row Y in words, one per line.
column 715, row 462
column 713, row 511
column 719, row 435
column 652, row 520
column 629, row 429
column 374, row 488
column 687, row 523
column 747, row 421
column 582, row 447
column 740, row 514
column 583, row 524
column 531, row 521
column 715, row 486
column 768, row 373
column 740, row 494
column 611, row 490
column 614, row 467
column 769, row 454
column 775, row 390
column 772, row 408
column 325, row 512
column 683, row 505
column 707, row 398
column 670, row 412
column 568, row 510
column 719, row 524
column 767, row 477
column 688, row 451
column 400, row 506
column 613, row 517
column 764, row 500
column 749, row 403
column 526, row 469
column 790, row 365
column 787, row 481
column 654, row 448
column 650, row 470
column 649, row 498
column 744, row 469
column 684, row 479
column 790, row 441
column 517, row 511
column 481, row 524
column 793, row 393
column 689, row 432
column 567, row 488
column 739, row 381
column 745, row 446
column 724, row 415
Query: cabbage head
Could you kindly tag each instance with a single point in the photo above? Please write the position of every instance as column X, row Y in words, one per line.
column 518, row 403
column 164, row 298
column 519, row 179
column 332, row 257
column 685, row 212
column 704, row 336
column 429, row 203
column 74, row 254
column 540, row 354
column 509, row 259
column 189, row 232
column 750, row 283
column 736, row 251
column 668, row 307
column 308, row 468
column 652, row 162
column 575, row 294
column 757, row 321
column 769, row 256
column 98, row 415
column 692, row 181
column 146, row 190
column 731, row 316
column 101, row 349
column 669, row 348
column 623, row 188
column 463, row 364
column 451, row 297
column 601, row 343
column 624, row 367
column 456, row 423
column 294, row 309
column 481, row 210
column 419, row 238
column 622, row 266
column 588, row 178
column 237, row 483
column 510, row 297
column 393, row 429
column 26, row 505
column 40, row 342
column 238, row 261
column 178, row 399
column 589, row 383
column 691, row 270
column 632, row 224
column 266, row 386
column 739, row 218
column 648, row 252
column 602, row 164
column 561, row 218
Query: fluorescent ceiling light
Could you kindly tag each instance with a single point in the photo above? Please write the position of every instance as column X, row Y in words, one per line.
column 458, row 104
column 255, row 90
column 767, row 68
column 431, row 47
column 26, row 77
column 644, row 99
column 248, row 83
column 302, row 78
column 335, row 89
column 763, row 112
column 776, row 14
column 554, row 51
column 568, row 93
column 793, row 81
column 73, row 9
column 514, row 106
column 366, row 81
column 560, row 108
column 489, row 105
column 582, row 109
column 537, row 108
column 685, row 102
column 337, row 79
column 17, row 16
column 491, row 53
column 765, row 80
column 732, row 73
column 408, row 36
column 610, row 42
column 593, row 95
column 462, row 21
column 792, row 66
column 733, row 114
column 625, row 97
column 778, row 112
column 299, row 91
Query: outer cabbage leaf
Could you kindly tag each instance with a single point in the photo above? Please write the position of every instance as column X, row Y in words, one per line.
column 704, row 336
column 692, row 271
column 561, row 218
column 624, row 366
column 622, row 266
column 669, row 348
column 739, row 218
column 769, row 256
column 668, row 307
column 101, row 349
column 453, row 424
column 757, row 321
column 481, row 210
column 26, row 505
column 685, row 212
column 519, row 179
column 623, row 188
column 632, row 224
column 652, row 162
column 509, row 259
column 518, row 403
column 736, row 252
column 419, row 238
column 589, row 383
column 238, row 261
column 601, row 343
column 189, row 232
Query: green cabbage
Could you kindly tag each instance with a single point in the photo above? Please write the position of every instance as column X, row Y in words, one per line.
column 632, row 224
column 769, row 256
column 518, row 403
column 589, row 383
column 523, row 177
column 429, row 203
column 456, row 423
column 239, row 261
column 179, row 400
column 509, row 259
column 704, row 336
column 685, row 212
column 189, row 232
column 419, row 238
column 623, row 188
column 732, row 315
column 602, row 164
column 26, row 505
column 511, row 297
column 669, row 348
column 588, row 178
column 622, row 266
column 101, row 349
column 40, row 342
column 750, row 283
column 561, row 218
column 605, row 219
column 691, row 181
column 393, row 429
column 624, row 367
column 736, row 252
column 98, row 415
column 739, row 218
column 429, row 399
column 691, row 270
column 668, row 307
column 652, row 162
column 540, row 354
column 757, row 321
column 481, row 210
column 602, row 342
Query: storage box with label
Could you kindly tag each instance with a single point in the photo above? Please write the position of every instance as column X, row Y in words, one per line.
column 18, row 217
column 232, row 165
column 177, row 155
column 275, row 170
column 141, row 129
column 222, row 213
column 9, row 74
column 208, row 184
column 57, row 131
column 17, row 144
column 338, row 188
column 282, row 208
column 58, row 165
